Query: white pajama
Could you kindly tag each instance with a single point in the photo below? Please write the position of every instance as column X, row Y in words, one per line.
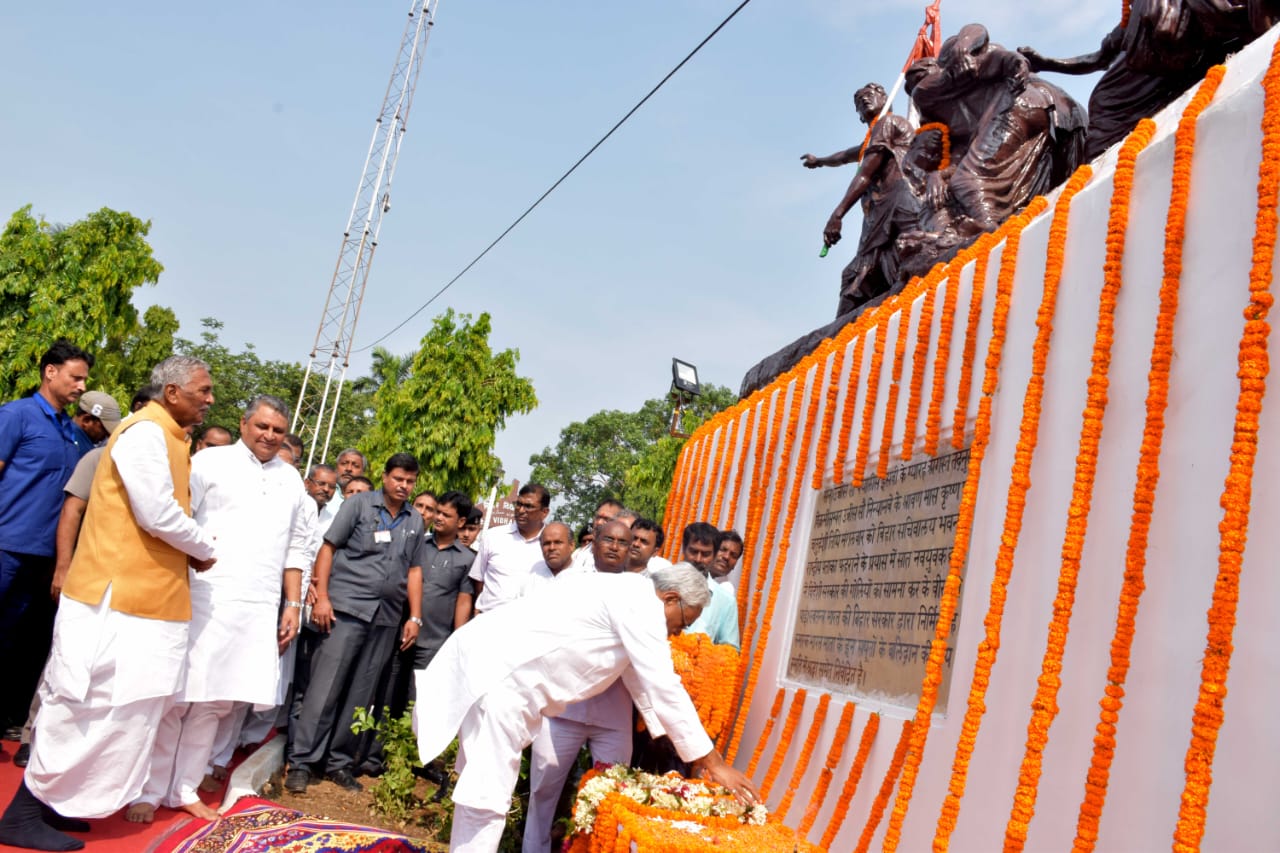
column 555, row 749
column 181, row 754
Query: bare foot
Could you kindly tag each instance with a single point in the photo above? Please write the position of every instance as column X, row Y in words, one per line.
column 200, row 810
column 140, row 813
column 220, row 773
column 210, row 784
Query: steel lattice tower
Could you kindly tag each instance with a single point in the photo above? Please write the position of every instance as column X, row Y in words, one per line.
column 322, row 382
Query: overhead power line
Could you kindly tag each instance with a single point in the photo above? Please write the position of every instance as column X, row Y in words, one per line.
column 559, row 180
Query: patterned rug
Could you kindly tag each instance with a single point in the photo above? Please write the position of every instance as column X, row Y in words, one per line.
column 253, row 825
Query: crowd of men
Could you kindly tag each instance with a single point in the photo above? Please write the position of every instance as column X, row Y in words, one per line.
column 163, row 600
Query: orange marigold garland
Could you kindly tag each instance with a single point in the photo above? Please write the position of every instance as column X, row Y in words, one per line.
column 834, row 754
column 806, row 752
column 775, row 584
column 924, row 332
column 1148, row 474
column 965, row 386
column 733, row 434
column 747, row 430
column 964, row 524
column 895, row 387
column 783, row 748
column 1044, row 704
column 708, row 672
column 886, row 788
column 850, row 402
column 851, row 781
column 697, row 447
column 671, row 508
column 841, row 346
column 1254, row 365
column 755, row 499
column 941, row 358
column 869, row 403
column 768, row 730
column 945, row 163
column 748, row 626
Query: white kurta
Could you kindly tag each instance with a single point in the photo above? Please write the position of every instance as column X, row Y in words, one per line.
column 259, row 514
column 564, row 643
column 111, row 676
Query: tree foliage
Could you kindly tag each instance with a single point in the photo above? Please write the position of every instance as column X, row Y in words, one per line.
column 77, row 282
column 447, row 406
column 627, row 456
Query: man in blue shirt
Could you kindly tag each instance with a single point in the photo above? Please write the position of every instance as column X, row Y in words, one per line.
column 39, row 448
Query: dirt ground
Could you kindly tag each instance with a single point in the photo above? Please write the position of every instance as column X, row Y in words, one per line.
column 326, row 799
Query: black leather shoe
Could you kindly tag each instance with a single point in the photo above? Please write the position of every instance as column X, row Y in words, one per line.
column 297, row 780
column 344, row 779
column 372, row 768
column 13, row 733
column 22, row 756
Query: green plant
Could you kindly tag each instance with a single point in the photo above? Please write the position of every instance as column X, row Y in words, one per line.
column 393, row 793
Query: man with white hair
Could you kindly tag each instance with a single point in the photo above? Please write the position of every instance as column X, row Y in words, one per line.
column 577, row 636
column 120, row 638
column 253, row 502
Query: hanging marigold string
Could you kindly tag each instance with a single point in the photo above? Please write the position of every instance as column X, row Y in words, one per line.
column 1148, row 475
column 895, row 385
column 869, row 403
column 1044, row 703
column 941, row 358
column 834, row 754
column 1124, row 13
column 924, row 333
column 806, row 753
column 851, row 781
column 964, row 523
column 698, row 448
column 755, row 563
column 733, row 435
column 983, row 254
column 750, row 639
column 775, row 464
column 783, row 748
column 747, row 430
column 850, row 402
column 768, row 730
column 764, row 434
column 784, row 548
column 671, row 508
column 886, row 788
column 829, row 411
column 1233, row 530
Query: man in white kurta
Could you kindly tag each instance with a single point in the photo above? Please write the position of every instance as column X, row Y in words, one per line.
column 603, row 722
column 255, row 505
column 575, row 638
column 112, row 675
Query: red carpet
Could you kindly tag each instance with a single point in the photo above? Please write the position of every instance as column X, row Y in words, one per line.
column 113, row 834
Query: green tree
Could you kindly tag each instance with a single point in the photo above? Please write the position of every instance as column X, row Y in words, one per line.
column 76, row 282
column 449, row 404
column 627, row 456
column 239, row 376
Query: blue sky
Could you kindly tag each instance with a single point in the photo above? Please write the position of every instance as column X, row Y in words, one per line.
column 239, row 130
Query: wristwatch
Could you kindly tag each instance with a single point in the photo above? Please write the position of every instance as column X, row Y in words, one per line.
column 297, row 604
column 415, row 620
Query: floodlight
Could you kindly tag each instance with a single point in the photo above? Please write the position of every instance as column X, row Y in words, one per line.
column 684, row 377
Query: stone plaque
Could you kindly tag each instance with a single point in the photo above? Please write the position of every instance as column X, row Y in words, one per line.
column 877, row 563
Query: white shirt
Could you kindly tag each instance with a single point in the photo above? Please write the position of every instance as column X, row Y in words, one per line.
column 328, row 513
column 504, row 559
column 541, row 574
column 260, row 515
column 584, row 559
column 142, row 459
column 572, row 640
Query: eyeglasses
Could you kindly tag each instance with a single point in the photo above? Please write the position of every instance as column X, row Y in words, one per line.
column 612, row 540
column 528, row 507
